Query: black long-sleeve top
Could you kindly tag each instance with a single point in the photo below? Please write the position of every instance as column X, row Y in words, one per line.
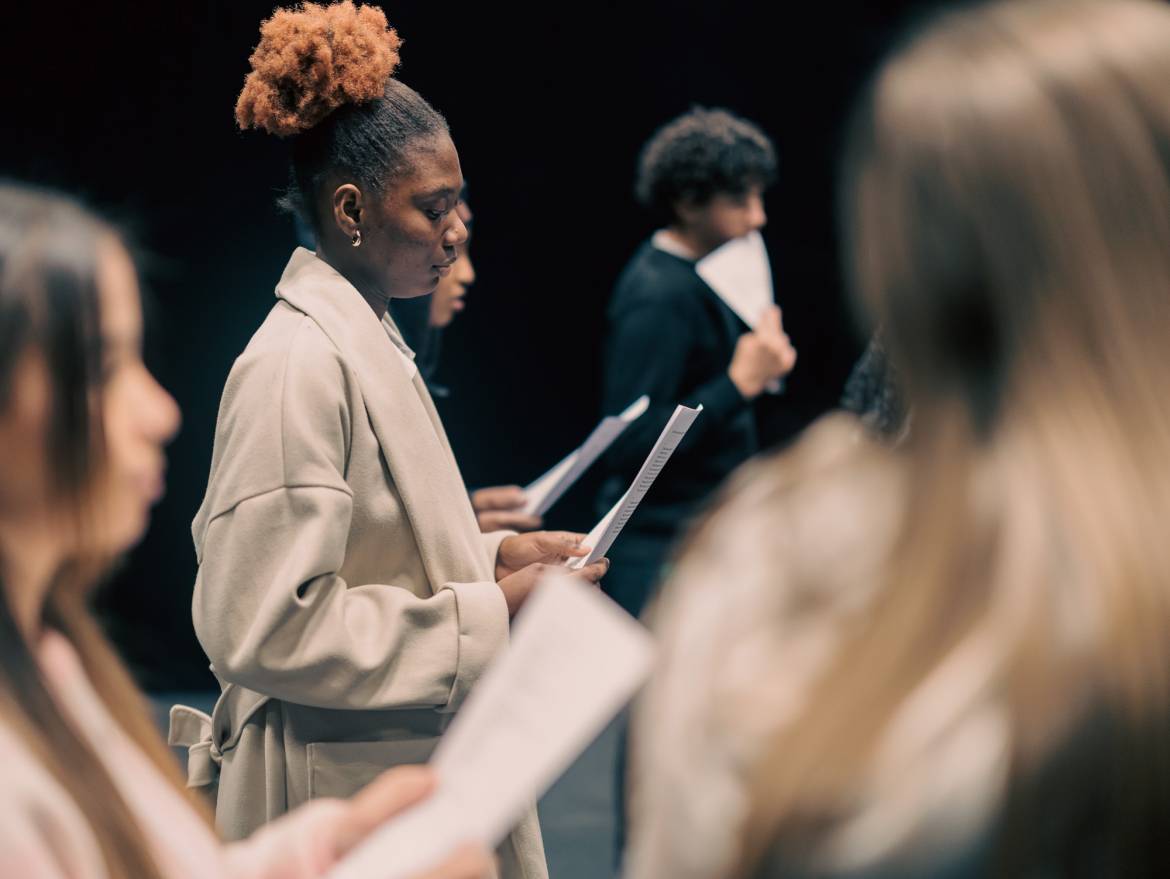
column 672, row 338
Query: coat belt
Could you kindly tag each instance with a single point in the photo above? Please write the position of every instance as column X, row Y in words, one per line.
column 207, row 737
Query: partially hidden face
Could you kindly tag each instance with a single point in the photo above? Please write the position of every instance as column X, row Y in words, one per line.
column 411, row 234
column 135, row 415
column 139, row 417
column 452, row 288
column 727, row 216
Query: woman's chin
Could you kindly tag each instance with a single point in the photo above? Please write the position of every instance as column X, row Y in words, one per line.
column 415, row 294
column 125, row 531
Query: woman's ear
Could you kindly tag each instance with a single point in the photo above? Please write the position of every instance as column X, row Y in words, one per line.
column 347, row 209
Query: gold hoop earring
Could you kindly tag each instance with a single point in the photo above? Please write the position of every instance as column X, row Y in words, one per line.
column 357, row 238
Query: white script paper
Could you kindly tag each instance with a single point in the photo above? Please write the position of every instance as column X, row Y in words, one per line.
column 606, row 531
column 740, row 274
column 574, row 660
column 547, row 490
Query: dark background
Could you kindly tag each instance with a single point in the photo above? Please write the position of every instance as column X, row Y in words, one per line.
column 130, row 107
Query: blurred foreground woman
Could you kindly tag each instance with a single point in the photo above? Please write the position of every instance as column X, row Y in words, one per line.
column 89, row 789
column 952, row 658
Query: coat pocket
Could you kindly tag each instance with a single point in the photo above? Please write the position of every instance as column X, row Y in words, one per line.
column 341, row 769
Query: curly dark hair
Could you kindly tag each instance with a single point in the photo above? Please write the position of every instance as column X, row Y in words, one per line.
column 324, row 77
column 699, row 155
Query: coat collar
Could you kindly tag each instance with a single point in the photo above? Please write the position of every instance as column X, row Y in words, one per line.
column 409, row 431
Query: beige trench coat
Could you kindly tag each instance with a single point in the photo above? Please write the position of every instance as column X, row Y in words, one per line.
column 345, row 595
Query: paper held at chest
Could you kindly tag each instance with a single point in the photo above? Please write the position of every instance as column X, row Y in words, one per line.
column 606, row 531
column 549, row 488
column 574, row 660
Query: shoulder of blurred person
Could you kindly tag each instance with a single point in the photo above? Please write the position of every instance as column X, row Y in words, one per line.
column 653, row 277
column 763, row 596
column 790, row 554
column 42, row 831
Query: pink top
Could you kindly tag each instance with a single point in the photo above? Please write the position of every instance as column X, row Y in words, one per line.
column 44, row 834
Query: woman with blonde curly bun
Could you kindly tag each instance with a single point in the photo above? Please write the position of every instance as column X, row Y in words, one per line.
column 345, row 595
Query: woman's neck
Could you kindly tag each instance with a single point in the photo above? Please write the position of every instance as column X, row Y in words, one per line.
column 348, row 270
column 30, row 558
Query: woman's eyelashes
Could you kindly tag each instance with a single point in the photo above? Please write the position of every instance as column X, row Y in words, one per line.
column 439, row 210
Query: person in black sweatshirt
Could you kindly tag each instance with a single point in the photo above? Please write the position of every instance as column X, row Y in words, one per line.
column 671, row 337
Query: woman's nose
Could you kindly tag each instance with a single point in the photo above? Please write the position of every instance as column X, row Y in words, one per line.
column 466, row 270
column 456, row 233
column 163, row 414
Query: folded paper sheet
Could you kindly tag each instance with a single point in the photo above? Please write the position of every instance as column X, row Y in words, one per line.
column 739, row 272
column 605, row 532
column 574, row 660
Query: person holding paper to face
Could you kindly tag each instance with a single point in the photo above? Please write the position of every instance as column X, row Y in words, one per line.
column 672, row 338
column 345, row 594
column 90, row 789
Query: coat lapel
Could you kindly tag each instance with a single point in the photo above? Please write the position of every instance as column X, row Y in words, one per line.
column 403, row 417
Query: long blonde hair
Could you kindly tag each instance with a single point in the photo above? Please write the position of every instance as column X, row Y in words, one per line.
column 1007, row 209
column 49, row 299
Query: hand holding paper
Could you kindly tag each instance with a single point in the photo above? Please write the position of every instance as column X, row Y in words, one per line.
column 741, row 275
column 606, row 531
column 574, row 660
column 519, row 586
column 761, row 359
column 547, row 547
column 525, row 558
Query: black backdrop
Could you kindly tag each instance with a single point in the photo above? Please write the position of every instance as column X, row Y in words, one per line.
column 130, row 106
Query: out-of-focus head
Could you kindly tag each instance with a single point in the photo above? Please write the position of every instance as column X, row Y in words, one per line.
column 370, row 157
column 707, row 171
column 1006, row 200
column 452, row 288
column 82, row 422
column 1008, row 207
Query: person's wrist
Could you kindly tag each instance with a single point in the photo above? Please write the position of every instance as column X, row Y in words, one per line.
column 502, row 568
column 511, row 597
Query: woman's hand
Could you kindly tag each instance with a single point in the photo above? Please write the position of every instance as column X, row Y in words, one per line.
column 393, row 792
column 546, row 547
column 499, row 509
column 518, row 586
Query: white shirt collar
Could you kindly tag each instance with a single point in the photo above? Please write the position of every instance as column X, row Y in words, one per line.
column 667, row 243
